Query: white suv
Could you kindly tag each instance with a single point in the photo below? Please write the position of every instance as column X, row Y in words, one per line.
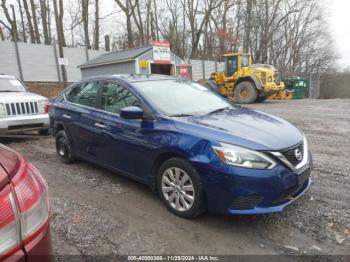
column 21, row 110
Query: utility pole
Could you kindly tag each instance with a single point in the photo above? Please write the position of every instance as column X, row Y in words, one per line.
column 60, row 45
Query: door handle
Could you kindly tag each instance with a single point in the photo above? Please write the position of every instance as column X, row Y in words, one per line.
column 66, row 116
column 100, row 125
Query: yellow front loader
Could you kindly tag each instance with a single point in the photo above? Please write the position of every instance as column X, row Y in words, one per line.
column 245, row 82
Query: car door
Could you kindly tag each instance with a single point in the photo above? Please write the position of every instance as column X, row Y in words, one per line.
column 125, row 140
column 77, row 116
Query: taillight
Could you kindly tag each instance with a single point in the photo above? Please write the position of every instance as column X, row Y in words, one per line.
column 24, row 209
column 32, row 200
column 47, row 107
column 9, row 225
column 44, row 106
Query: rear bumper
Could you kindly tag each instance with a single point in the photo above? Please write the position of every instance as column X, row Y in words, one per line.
column 23, row 123
column 40, row 248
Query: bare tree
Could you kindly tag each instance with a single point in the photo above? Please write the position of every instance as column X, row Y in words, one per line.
column 155, row 16
column 128, row 8
column 85, row 18
column 139, row 22
column 29, row 22
column 44, row 21
column 97, row 26
column 2, row 37
column 247, row 25
column 35, row 22
column 286, row 33
column 12, row 27
column 59, row 14
column 24, row 35
column 195, row 12
column 75, row 20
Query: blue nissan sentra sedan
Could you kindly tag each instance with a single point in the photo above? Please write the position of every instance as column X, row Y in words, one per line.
column 193, row 147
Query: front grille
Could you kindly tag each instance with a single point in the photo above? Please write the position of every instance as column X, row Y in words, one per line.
column 290, row 154
column 246, row 202
column 22, row 108
column 288, row 194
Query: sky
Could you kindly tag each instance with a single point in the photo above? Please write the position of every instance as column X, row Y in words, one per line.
column 339, row 26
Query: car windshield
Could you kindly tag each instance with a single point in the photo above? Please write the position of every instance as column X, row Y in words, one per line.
column 11, row 85
column 178, row 97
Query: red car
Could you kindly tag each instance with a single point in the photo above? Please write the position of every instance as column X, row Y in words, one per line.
column 24, row 210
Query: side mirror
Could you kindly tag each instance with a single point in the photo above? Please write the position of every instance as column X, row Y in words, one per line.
column 132, row 112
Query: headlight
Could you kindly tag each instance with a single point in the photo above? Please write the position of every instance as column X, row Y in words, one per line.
column 242, row 157
column 2, row 110
column 42, row 106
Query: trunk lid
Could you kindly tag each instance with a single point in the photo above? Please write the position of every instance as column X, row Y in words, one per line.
column 9, row 164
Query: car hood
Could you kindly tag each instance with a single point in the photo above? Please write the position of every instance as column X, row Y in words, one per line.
column 6, row 97
column 244, row 127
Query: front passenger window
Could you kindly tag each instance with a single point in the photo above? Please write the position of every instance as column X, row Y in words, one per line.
column 115, row 97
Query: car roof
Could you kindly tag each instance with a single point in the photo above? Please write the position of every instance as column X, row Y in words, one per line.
column 131, row 77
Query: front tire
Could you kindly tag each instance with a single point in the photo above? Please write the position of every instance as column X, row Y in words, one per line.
column 245, row 93
column 180, row 188
column 63, row 148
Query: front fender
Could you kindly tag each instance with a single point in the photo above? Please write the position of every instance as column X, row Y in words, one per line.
column 256, row 81
column 253, row 79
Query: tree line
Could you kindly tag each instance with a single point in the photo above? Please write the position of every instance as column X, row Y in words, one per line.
column 289, row 34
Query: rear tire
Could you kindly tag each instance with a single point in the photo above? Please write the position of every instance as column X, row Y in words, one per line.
column 245, row 93
column 63, row 148
column 180, row 188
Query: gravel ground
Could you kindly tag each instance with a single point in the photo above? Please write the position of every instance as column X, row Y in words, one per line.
column 97, row 212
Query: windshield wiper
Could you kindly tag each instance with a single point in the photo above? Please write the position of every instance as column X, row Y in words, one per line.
column 3, row 91
column 218, row 110
column 181, row 115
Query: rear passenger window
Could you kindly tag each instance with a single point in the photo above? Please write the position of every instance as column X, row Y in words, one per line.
column 115, row 97
column 84, row 94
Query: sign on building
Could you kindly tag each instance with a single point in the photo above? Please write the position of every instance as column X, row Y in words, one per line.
column 143, row 64
column 161, row 52
column 63, row 61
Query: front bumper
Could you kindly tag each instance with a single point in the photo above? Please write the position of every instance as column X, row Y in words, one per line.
column 23, row 123
column 234, row 190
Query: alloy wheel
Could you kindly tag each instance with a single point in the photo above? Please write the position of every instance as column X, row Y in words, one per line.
column 61, row 147
column 178, row 189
